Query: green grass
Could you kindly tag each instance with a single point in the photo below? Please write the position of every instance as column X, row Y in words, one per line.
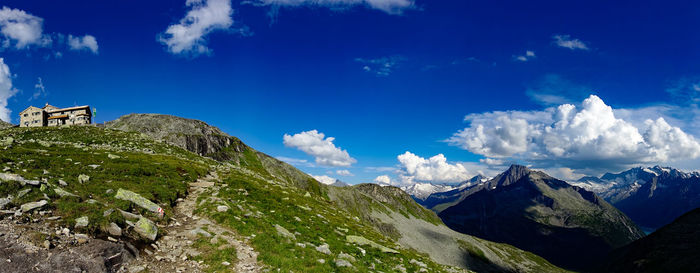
column 155, row 170
column 213, row 255
column 258, row 203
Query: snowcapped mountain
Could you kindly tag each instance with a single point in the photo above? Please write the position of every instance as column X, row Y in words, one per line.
column 652, row 197
column 423, row 190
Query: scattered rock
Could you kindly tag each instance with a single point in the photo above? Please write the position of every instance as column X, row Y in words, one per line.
column 321, row 261
column 345, row 256
column 324, row 248
column 222, row 208
column 62, row 183
column 82, row 238
column 114, row 229
column 225, row 263
column 137, row 199
column 146, row 228
column 82, row 222
column 4, row 202
column 33, row 205
column 94, row 166
column 342, row 263
column 63, row 193
column 364, row 241
column 47, row 244
column 111, row 156
column 136, row 269
column 23, row 192
column 192, row 234
column 418, row 263
column 83, row 178
column 284, row 232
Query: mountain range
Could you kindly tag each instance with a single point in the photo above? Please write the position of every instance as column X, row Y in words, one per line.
column 421, row 191
column 650, row 196
column 566, row 225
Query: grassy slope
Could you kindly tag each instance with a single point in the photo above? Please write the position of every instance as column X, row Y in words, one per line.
column 157, row 171
column 260, row 190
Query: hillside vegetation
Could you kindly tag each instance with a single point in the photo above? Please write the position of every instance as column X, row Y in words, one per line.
column 295, row 223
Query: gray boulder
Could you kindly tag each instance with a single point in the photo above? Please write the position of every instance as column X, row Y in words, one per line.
column 82, row 222
column 146, row 228
column 137, row 199
column 33, row 205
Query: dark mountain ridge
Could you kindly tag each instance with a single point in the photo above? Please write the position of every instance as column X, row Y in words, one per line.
column 564, row 224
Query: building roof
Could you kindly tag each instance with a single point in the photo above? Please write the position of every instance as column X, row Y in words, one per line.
column 57, row 117
column 70, row 108
column 30, row 107
column 48, row 105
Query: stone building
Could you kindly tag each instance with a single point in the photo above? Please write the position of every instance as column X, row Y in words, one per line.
column 50, row 115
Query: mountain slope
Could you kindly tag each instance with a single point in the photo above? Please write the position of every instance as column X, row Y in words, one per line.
column 652, row 197
column 271, row 199
column 4, row 125
column 566, row 225
column 672, row 248
column 439, row 201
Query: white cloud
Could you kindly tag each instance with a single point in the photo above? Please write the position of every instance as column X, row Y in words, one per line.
column 586, row 137
column 394, row 7
column 344, row 173
column 322, row 148
column 385, row 180
column 6, row 90
column 566, row 41
column 296, row 161
column 39, row 89
column 380, row 169
column 204, row 17
column 434, row 169
column 381, row 67
column 87, row 42
column 529, row 55
column 21, row 29
column 324, row 179
column 491, row 161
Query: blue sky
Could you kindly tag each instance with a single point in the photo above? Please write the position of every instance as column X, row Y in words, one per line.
column 381, row 78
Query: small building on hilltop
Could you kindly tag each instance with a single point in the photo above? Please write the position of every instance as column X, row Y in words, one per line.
column 50, row 115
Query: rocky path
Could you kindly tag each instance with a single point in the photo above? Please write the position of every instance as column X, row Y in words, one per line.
column 170, row 253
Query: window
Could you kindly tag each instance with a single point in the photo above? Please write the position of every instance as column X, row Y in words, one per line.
column 26, row 115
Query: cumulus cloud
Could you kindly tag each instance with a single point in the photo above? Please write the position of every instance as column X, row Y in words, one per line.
column 6, row 90
column 324, row 179
column 317, row 145
column 344, row 173
column 566, row 41
column 529, row 55
column 385, row 180
column 574, row 137
column 395, row 7
column 21, row 29
column 87, row 42
column 433, row 169
column 189, row 36
column 382, row 67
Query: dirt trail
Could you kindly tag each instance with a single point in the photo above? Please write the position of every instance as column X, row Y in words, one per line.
column 170, row 253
